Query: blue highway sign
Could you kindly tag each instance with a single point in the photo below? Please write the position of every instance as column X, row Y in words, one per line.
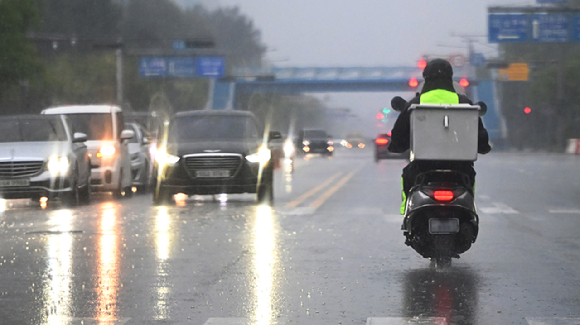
column 550, row 28
column 182, row 67
column 507, row 28
column 210, row 67
column 152, row 67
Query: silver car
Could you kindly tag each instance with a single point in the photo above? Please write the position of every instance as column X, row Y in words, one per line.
column 42, row 157
column 140, row 153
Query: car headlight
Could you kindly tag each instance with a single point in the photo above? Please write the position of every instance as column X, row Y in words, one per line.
column 163, row 158
column 58, row 165
column 262, row 156
column 288, row 148
column 106, row 151
column 306, row 142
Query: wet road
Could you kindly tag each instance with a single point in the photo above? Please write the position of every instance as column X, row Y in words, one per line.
column 328, row 252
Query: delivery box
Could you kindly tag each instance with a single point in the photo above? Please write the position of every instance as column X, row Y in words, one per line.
column 444, row 132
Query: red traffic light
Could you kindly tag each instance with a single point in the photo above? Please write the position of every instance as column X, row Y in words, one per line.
column 527, row 110
column 380, row 116
column 421, row 64
column 413, row 82
column 464, row 82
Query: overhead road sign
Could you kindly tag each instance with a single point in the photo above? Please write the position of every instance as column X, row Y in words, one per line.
column 550, row 28
column 507, row 28
column 182, row 67
column 533, row 25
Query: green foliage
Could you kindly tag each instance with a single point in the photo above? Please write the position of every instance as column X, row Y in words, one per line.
column 18, row 60
column 78, row 79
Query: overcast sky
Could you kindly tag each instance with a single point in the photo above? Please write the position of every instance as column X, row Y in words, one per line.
column 352, row 33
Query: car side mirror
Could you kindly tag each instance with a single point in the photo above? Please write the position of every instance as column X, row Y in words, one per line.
column 274, row 135
column 79, row 137
column 482, row 108
column 398, row 103
column 127, row 134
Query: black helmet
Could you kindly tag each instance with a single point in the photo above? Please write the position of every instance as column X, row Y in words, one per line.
column 438, row 69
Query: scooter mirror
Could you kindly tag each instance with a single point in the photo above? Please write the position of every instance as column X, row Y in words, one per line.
column 398, row 103
column 482, row 108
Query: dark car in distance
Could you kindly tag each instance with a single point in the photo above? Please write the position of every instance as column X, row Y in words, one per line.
column 382, row 148
column 315, row 141
column 214, row 152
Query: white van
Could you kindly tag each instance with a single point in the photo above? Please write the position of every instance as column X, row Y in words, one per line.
column 108, row 150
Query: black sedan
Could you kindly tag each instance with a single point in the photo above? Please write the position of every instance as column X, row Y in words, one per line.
column 214, row 152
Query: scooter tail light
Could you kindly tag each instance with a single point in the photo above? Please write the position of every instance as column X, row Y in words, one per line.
column 444, row 196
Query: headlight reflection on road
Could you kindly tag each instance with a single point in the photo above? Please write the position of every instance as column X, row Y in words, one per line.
column 57, row 279
column 265, row 261
column 163, row 240
column 107, row 282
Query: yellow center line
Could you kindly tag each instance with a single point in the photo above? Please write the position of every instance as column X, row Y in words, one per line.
column 320, row 200
column 313, row 191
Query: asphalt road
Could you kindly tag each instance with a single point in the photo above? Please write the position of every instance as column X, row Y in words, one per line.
column 330, row 251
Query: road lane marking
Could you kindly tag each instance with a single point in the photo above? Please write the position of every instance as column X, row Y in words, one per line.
column 313, row 191
column 321, row 199
column 405, row 320
column 552, row 321
column 228, row 321
column 564, row 211
column 498, row 208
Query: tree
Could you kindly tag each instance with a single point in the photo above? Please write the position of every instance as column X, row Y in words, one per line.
column 18, row 60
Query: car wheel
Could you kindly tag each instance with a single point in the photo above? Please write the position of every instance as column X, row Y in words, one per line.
column 265, row 191
column 85, row 193
column 72, row 198
column 161, row 196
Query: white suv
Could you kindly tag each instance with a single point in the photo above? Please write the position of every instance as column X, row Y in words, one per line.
column 105, row 129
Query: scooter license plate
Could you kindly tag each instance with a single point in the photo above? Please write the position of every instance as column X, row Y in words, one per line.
column 443, row 226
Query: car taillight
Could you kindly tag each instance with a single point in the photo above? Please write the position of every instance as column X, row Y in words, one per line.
column 389, row 134
column 381, row 141
column 444, row 196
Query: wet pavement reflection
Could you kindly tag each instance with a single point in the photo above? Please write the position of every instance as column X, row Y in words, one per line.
column 265, row 263
column 444, row 297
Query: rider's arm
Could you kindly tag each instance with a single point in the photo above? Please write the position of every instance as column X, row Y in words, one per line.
column 401, row 132
column 483, row 146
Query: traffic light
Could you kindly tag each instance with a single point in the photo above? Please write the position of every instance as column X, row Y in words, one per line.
column 421, row 64
column 413, row 82
column 527, row 110
column 464, row 82
column 380, row 116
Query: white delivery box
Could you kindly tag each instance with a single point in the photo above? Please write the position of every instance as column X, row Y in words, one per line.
column 444, row 132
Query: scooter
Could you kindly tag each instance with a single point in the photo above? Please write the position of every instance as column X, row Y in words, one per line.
column 441, row 220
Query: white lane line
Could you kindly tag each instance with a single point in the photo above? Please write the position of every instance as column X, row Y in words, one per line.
column 564, row 211
column 228, row 321
column 299, row 211
column 405, row 320
column 552, row 321
column 85, row 320
column 498, row 208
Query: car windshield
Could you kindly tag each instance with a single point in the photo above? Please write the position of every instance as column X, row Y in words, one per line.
column 97, row 126
column 217, row 127
column 32, row 130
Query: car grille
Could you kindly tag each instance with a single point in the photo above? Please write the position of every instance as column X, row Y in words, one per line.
column 230, row 163
column 20, row 168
